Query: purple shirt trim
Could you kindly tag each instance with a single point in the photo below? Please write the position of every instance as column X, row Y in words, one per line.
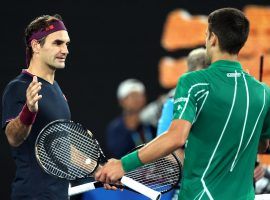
column 24, row 71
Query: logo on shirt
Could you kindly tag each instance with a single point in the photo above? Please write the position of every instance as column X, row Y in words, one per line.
column 233, row 75
column 179, row 107
column 181, row 99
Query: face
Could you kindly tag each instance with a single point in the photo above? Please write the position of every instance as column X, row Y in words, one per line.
column 55, row 49
column 134, row 102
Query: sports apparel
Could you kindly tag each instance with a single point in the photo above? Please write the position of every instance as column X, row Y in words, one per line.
column 229, row 112
column 31, row 182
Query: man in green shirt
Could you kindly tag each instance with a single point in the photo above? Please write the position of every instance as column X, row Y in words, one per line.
column 220, row 113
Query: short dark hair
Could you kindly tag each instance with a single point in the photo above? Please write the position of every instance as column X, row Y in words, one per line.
column 231, row 27
column 37, row 24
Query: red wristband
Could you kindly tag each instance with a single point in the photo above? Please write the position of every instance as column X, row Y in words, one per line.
column 26, row 116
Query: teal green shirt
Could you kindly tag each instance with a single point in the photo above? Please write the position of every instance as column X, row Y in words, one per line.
column 229, row 112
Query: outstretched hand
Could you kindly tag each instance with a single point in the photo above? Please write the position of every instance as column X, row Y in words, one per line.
column 32, row 96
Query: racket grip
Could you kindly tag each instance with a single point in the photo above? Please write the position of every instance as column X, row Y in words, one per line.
column 140, row 188
column 84, row 188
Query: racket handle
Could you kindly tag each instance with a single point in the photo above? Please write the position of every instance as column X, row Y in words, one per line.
column 84, row 188
column 140, row 188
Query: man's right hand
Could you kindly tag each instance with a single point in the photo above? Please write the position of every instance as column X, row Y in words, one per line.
column 32, row 96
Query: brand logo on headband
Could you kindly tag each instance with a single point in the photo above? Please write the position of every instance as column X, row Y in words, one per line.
column 50, row 27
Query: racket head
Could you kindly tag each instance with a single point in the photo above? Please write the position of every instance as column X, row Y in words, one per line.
column 162, row 175
column 66, row 149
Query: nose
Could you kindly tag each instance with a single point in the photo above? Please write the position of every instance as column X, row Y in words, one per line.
column 64, row 49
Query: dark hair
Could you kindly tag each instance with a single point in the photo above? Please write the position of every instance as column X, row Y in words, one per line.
column 231, row 27
column 40, row 23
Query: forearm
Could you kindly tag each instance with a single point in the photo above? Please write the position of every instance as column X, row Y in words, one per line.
column 160, row 147
column 168, row 142
column 19, row 128
column 17, row 132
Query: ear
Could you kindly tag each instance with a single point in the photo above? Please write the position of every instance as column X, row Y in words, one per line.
column 35, row 46
column 213, row 39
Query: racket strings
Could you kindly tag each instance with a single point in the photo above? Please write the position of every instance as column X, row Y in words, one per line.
column 76, row 143
column 161, row 175
column 82, row 144
column 69, row 145
column 82, row 141
column 80, row 148
column 67, row 171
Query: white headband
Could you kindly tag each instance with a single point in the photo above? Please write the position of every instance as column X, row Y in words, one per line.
column 128, row 86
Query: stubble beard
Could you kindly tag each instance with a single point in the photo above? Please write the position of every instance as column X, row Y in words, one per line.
column 54, row 67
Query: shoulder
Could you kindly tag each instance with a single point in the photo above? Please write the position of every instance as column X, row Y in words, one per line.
column 16, row 86
column 194, row 77
column 259, row 86
column 267, row 91
column 191, row 80
column 266, row 87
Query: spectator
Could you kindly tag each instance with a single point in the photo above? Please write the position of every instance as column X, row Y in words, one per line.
column 127, row 131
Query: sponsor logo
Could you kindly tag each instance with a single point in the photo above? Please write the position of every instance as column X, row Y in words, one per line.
column 178, row 100
column 179, row 107
column 233, row 75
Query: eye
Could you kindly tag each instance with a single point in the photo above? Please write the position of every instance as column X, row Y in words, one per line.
column 58, row 42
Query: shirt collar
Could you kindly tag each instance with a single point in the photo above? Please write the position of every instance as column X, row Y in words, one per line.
column 227, row 63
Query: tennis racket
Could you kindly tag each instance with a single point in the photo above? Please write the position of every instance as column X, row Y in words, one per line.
column 68, row 150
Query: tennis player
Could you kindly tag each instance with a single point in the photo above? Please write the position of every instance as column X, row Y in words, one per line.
column 220, row 114
column 32, row 100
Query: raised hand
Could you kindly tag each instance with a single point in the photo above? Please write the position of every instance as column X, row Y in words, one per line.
column 32, row 96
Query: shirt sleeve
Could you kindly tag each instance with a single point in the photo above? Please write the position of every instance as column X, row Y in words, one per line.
column 184, row 102
column 12, row 101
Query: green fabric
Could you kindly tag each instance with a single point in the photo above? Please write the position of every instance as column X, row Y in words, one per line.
column 229, row 110
column 131, row 161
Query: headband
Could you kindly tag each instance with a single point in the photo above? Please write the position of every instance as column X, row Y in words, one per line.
column 53, row 27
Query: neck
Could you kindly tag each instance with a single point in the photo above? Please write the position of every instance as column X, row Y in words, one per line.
column 41, row 70
column 224, row 56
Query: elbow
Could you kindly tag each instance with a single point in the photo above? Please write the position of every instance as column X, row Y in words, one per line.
column 178, row 142
column 13, row 143
column 11, row 140
column 181, row 142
